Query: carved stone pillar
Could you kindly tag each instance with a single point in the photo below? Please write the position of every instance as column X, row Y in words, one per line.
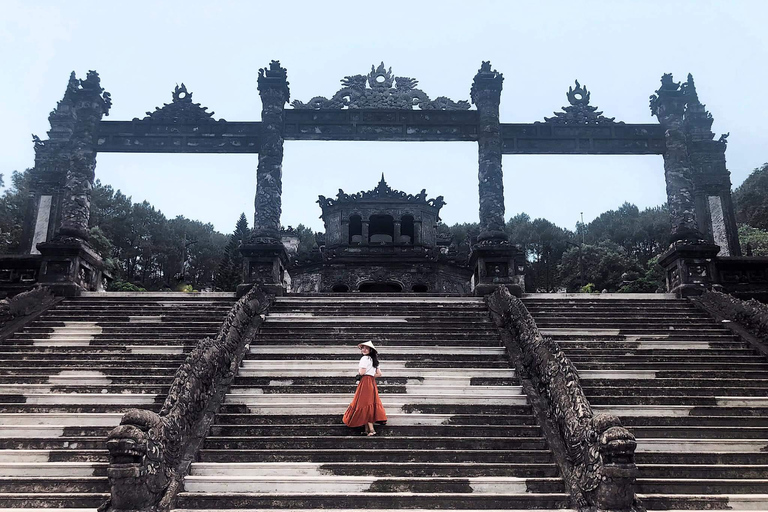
column 712, row 183
column 344, row 231
column 688, row 262
column 69, row 264
column 494, row 259
column 668, row 105
column 486, row 95
column 417, row 227
column 49, row 174
column 265, row 258
column 365, row 232
column 274, row 92
column 396, row 233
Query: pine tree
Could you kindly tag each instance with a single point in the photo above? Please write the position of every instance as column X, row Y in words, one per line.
column 230, row 272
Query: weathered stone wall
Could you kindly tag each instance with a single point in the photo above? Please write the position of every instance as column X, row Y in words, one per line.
column 438, row 278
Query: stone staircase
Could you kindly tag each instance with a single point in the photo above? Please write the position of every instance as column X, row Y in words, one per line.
column 694, row 395
column 460, row 434
column 66, row 379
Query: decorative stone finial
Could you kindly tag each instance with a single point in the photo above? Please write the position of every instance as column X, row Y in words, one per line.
column 580, row 112
column 181, row 110
column 486, row 78
column 384, row 91
column 275, row 77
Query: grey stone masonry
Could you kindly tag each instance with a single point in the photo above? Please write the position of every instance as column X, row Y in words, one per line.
column 668, row 105
column 711, row 179
column 274, row 92
column 486, row 95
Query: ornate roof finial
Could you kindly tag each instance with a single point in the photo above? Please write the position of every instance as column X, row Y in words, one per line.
column 580, row 112
column 181, row 110
column 384, row 91
column 486, row 78
column 382, row 191
column 274, row 77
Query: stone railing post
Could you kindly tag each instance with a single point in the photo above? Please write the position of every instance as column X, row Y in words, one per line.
column 264, row 255
column 688, row 262
column 69, row 263
column 594, row 451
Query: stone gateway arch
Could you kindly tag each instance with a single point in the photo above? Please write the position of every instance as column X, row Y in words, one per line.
column 379, row 106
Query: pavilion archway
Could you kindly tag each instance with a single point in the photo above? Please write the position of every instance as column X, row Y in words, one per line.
column 378, row 106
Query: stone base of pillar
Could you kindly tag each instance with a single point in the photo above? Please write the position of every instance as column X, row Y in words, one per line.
column 70, row 266
column 689, row 268
column 264, row 263
column 496, row 262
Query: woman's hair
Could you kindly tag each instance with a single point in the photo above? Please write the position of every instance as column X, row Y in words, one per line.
column 375, row 357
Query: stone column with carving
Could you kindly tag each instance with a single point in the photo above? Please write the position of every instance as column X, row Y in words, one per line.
column 264, row 254
column 711, row 180
column 486, row 95
column 688, row 262
column 274, row 92
column 365, row 232
column 49, row 174
column 492, row 256
column 69, row 263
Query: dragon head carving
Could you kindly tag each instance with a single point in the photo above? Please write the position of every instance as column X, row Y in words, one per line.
column 618, row 473
column 138, row 472
column 616, row 443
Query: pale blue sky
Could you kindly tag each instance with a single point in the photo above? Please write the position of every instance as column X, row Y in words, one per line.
column 618, row 49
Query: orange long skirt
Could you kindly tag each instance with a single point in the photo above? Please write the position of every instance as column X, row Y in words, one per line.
column 366, row 405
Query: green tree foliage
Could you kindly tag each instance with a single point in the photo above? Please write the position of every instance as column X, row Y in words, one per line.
column 751, row 199
column 651, row 281
column 13, row 204
column 230, row 271
column 753, row 241
column 307, row 241
column 602, row 264
column 544, row 244
column 643, row 235
column 148, row 250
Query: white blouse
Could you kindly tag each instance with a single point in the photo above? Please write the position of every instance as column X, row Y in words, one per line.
column 367, row 363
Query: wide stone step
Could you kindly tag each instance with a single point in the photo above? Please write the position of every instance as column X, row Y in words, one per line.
column 53, row 443
column 60, row 419
column 704, row 501
column 662, row 365
column 359, row 500
column 704, row 471
column 720, row 401
column 83, row 398
column 388, row 431
column 380, row 469
column 702, row 486
column 419, row 455
column 695, row 421
column 55, row 484
column 699, row 432
column 392, row 350
column 24, row 408
column 84, row 358
column 336, row 484
column 353, row 443
column 72, row 469
column 686, row 358
column 661, row 389
column 393, row 419
column 68, row 500
column 117, row 369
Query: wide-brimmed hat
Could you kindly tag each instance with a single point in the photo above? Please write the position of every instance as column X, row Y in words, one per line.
column 368, row 344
